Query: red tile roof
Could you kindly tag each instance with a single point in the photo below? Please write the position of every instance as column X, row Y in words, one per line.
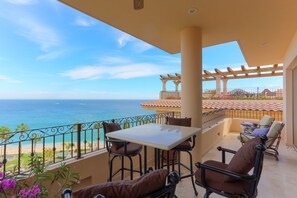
column 261, row 105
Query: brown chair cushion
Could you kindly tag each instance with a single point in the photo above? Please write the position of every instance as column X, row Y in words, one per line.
column 179, row 121
column 187, row 122
column 132, row 149
column 244, row 159
column 183, row 146
column 111, row 127
column 216, row 180
column 140, row 187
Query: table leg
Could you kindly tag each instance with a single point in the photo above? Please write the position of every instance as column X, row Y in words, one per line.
column 168, row 162
column 145, row 159
column 156, row 159
column 159, row 161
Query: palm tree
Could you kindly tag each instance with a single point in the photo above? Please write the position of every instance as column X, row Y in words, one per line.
column 22, row 127
column 5, row 133
column 36, row 138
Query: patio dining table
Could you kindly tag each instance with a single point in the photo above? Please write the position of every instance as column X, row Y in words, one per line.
column 158, row 136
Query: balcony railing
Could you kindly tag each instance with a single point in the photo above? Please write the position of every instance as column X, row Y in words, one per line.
column 254, row 114
column 61, row 143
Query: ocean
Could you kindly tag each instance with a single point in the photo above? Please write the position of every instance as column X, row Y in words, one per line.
column 48, row 113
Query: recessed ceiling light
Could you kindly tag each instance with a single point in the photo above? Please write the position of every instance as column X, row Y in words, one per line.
column 192, row 10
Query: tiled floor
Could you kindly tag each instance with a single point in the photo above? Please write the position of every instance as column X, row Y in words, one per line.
column 278, row 180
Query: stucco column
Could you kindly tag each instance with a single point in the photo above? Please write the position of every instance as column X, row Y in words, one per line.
column 225, row 86
column 164, row 84
column 176, row 82
column 191, row 82
column 218, row 85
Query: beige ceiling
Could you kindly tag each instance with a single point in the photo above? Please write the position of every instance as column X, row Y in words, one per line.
column 262, row 28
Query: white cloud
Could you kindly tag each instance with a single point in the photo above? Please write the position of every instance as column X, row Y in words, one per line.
column 170, row 59
column 8, row 79
column 111, row 60
column 136, row 44
column 84, row 22
column 118, row 72
column 39, row 33
column 124, row 39
column 140, row 46
column 50, row 55
column 21, row 2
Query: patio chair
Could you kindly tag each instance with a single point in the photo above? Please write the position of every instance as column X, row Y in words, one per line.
column 249, row 127
column 150, row 185
column 186, row 147
column 273, row 135
column 121, row 149
column 233, row 179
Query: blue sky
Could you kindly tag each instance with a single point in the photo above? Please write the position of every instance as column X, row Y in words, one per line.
column 51, row 51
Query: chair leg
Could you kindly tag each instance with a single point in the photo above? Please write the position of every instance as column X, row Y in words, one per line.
column 131, row 168
column 162, row 159
column 122, row 176
column 110, row 168
column 168, row 160
column 207, row 193
column 140, row 164
column 192, row 173
column 173, row 161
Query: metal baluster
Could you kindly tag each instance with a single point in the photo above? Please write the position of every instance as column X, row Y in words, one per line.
column 78, row 140
column 54, row 149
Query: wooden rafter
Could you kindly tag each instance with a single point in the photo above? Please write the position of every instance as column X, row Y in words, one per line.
column 251, row 72
column 231, row 71
column 220, row 73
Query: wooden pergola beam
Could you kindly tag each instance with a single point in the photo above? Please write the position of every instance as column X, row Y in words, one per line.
column 275, row 70
column 251, row 76
column 231, row 71
column 220, row 73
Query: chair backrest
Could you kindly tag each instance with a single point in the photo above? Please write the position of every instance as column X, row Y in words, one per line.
column 179, row 121
column 265, row 121
column 150, row 185
column 274, row 133
column 111, row 127
column 249, row 156
column 187, row 122
column 258, row 167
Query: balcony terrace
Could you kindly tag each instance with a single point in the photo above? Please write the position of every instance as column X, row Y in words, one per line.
column 218, row 129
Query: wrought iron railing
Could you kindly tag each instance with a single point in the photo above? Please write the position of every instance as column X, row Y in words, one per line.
column 255, row 93
column 60, row 143
column 254, row 114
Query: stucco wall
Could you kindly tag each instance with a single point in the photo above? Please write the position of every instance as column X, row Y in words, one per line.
column 290, row 62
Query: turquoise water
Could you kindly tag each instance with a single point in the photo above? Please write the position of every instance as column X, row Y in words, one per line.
column 48, row 113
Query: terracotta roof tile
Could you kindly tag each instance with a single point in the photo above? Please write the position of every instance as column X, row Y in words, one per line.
column 261, row 105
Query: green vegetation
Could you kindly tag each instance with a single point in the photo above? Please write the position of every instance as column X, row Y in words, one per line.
column 22, row 127
column 5, row 133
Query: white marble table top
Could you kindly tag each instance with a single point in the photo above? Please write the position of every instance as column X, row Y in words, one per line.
column 159, row 136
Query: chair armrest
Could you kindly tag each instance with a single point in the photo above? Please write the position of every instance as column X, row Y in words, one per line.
column 204, row 167
column 99, row 196
column 224, row 150
column 169, row 189
column 66, row 193
column 193, row 141
column 108, row 141
column 116, row 141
